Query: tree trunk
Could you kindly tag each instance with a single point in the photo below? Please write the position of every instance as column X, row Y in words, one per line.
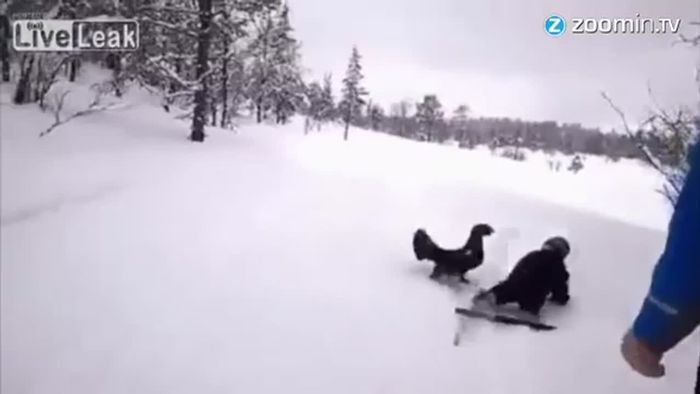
column 172, row 86
column 5, row 56
column 4, row 47
column 117, row 76
column 224, row 83
column 278, row 114
column 200, row 95
column 258, row 106
column 114, row 63
column 213, row 113
column 348, row 120
column 40, row 82
column 23, row 89
column 5, row 68
column 73, row 67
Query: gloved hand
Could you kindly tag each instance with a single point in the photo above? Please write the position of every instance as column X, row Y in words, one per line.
column 641, row 357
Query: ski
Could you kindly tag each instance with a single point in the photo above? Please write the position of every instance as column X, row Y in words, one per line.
column 504, row 319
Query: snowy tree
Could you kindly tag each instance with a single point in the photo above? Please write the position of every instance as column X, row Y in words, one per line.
column 275, row 74
column 243, row 52
column 214, row 79
column 327, row 103
column 287, row 85
column 74, row 9
column 459, row 123
column 320, row 102
column 401, row 116
column 376, row 116
column 314, row 98
column 261, row 67
column 228, row 74
column 181, row 77
column 429, row 114
column 37, row 71
column 351, row 104
column 160, row 64
column 513, row 153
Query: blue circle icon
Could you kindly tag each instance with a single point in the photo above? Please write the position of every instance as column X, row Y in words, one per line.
column 555, row 25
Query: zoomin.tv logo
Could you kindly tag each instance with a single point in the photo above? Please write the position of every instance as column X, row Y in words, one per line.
column 555, row 25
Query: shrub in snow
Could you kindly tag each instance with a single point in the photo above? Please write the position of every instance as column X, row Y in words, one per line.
column 57, row 97
column 514, row 153
column 466, row 144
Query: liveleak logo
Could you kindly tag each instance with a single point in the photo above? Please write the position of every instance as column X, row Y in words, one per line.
column 75, row 35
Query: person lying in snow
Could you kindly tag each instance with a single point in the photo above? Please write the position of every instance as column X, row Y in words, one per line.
column 539, row 276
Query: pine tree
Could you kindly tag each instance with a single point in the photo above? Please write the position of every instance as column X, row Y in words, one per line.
column 327, row 104
column 215, row 84
column 260, row 49
column 287, row 86
column 376, row 117
column 400, row 113
column 228, row 77
column 353, row 92
column 459, row 122
column 314, row 98
column 166, row 27
column 321, row 107
column 429, row 115
column 275, row 83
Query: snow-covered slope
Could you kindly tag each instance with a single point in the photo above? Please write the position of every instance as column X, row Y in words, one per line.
column 266, row 261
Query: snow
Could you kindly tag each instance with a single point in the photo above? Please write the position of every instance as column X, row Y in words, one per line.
column 266, row 261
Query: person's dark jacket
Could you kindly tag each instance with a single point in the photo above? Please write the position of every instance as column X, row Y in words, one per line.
column 538, row 276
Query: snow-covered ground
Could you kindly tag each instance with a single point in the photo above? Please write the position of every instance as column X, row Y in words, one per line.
column 266, row 261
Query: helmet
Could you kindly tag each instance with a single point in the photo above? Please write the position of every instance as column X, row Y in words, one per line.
column 558, row 244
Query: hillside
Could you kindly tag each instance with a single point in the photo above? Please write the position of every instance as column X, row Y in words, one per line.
column 266, row 261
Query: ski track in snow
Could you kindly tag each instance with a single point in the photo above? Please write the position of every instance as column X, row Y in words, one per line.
column 56, row 205
column 268, row 262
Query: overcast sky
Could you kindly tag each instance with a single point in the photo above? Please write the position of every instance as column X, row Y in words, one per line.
column 494, row 55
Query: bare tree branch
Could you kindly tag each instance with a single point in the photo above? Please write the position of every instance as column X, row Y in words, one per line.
column 169, row 26
column 649, row 157
column 94, row 107
column 667, row 134
column 165, row 8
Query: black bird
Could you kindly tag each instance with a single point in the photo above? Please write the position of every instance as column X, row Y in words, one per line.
column 455, row 262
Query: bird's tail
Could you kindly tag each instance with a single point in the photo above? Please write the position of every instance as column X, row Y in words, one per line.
column 423, row 245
